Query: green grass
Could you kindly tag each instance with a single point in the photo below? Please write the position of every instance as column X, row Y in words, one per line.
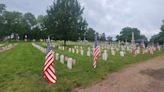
column 20, row 70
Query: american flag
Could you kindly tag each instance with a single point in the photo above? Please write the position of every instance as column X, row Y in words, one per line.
column 96, row 52
column 151, row 50
column 134, row 50
column 49, row 71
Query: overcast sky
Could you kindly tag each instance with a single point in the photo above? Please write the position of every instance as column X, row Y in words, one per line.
column 108, row 16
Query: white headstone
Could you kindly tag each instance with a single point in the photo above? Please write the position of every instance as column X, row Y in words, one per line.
column 69, row 63
column 88, row 53
column 57, row 56
column 105, row 55
column 77, row 51
column 69, row 49
column 121, row 53
column 62, row 59
column 113, row 52
column 138, row 50
column 82, row 52
column 73, row 50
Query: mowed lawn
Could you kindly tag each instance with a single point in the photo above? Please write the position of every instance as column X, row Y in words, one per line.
column 21, row 70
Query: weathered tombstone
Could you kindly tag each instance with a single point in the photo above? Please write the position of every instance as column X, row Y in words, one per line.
column 69, row 63
column 105, row 55
column 73, row 50
column 59, row 47
column 88, row 53
column 121, row 53
column 25, row 38
column 63, row 48
column 57, row 56
column 69, row 49
column 138, row 50
column 82, row 52
column 117, row 49
column 146, row 50
column 113, row 51
column 62, row 59
column 77, row 51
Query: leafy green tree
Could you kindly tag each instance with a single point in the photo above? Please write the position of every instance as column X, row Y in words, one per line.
column 30, row 19
column 65, row 21
column 109, row 39
column 159, row 38
column 13, row 21
column 102, row 37
column 2, row 8
column 126, row 34
column 2, row 20
column 155, row 38
column 90, row 34
column 29, row 23
column 161, row 34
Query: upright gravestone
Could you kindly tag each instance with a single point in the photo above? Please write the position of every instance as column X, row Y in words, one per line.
column 57, row 56
column 105, row 55
column 89, row 52
column 138, row 50
column 77, row 51
column 69, row 49
column 82, row 52
column 73, row 50
column 62, row 59
column 122, row 53
column 63, row 48
column 113, row 51
column 25, row 38
column 69, row 63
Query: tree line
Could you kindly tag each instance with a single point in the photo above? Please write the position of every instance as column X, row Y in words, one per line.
column 159, row 38
column 63, row 21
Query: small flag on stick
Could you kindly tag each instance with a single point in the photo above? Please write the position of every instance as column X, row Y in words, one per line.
column 96, row 52
column 49, row 71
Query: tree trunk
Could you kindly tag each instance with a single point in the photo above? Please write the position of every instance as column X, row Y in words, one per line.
column 65, row 42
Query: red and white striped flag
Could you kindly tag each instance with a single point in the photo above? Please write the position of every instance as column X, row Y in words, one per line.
column 134, row 50
column 151, row 50
column 49, row 71
column 96, row 52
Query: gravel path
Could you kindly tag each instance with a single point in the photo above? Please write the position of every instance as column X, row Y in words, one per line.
column 143, row 77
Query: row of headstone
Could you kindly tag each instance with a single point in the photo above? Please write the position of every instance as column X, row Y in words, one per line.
column 105, row 55
column 70, row 61
column 76, row 50
column 7, row 47
column 39, row 47
column 1, row 45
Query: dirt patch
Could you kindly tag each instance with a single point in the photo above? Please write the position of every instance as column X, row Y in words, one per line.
column 143, row 77
column 156, row 74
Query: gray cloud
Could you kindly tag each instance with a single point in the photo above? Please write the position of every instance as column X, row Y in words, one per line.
column 108, row 16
